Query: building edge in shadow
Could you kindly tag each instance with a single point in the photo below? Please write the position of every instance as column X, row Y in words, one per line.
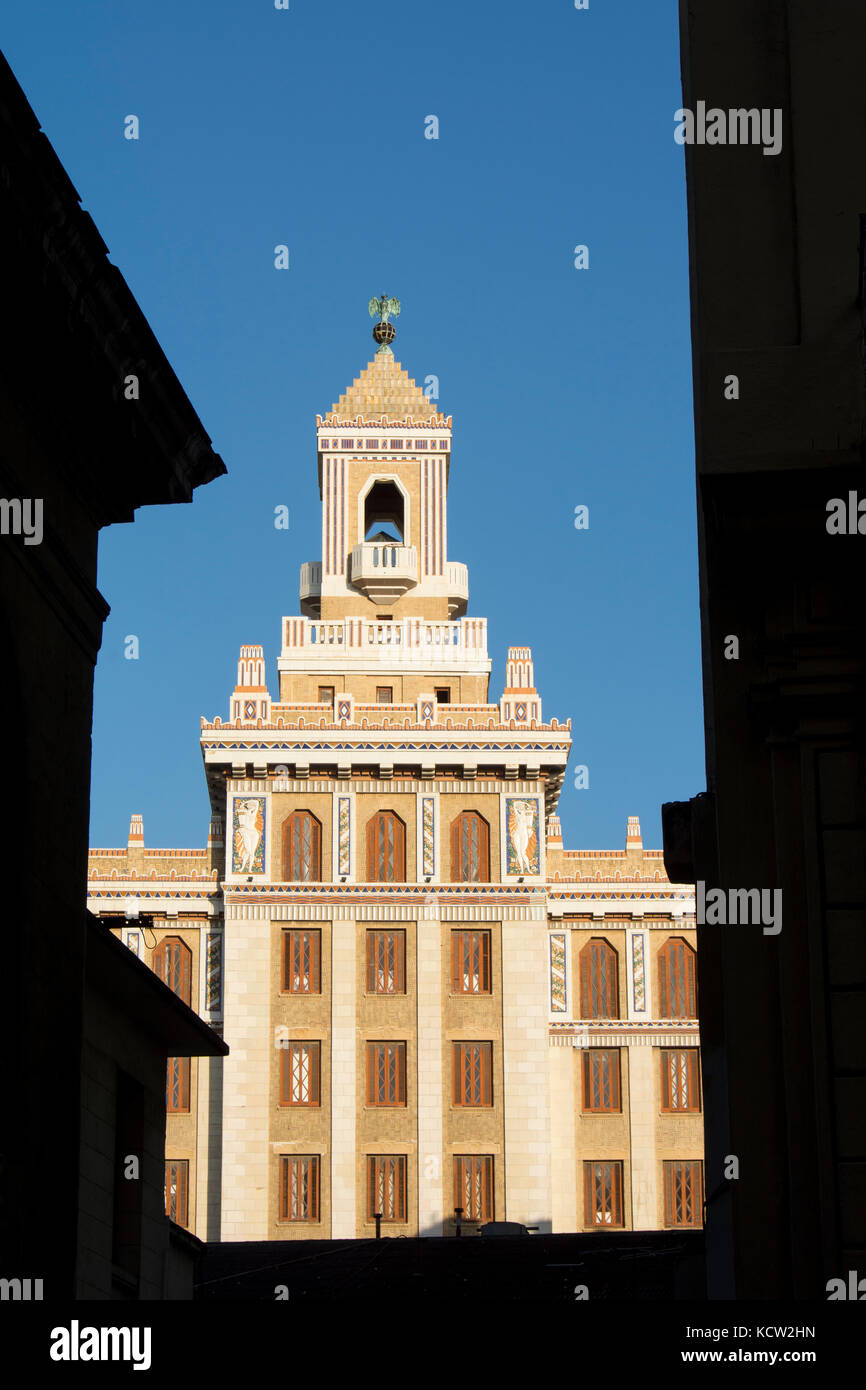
column 776, row 252
column 78, row 452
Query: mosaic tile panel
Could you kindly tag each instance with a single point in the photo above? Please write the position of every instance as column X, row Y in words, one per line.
column 522, row 840
column 638, row 973
column 214, row 981
column 557, row 973
column 428, row 818
column 344, row 824
column 248, row 835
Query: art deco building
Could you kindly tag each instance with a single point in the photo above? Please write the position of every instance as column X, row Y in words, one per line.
column 430, row 1005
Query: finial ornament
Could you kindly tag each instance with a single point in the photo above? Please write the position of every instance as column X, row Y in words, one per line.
column 384, row 332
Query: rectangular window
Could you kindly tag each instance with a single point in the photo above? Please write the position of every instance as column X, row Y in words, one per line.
column 395, row 444
column 299, row 1187
column 443, row 695
column 601, row 1079
column 302, row 958
column 420, row 443
column 684, row 1195
column 386, row 1187
column 386, row 962
column 602, row 1194
column 470, row 962
column 300, row 1073
column 177, row 1190
column 177, row 1086
column 386, row 1073
column 347, row 443
column 473, row 1186
column 680, row 1079
column 326, row 695
column 384, row 694
column 472, row 1073
column 371, row 443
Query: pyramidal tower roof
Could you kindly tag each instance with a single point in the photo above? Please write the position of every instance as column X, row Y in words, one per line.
column 385, row 389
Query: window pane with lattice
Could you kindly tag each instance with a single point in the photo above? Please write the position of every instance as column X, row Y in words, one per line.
column 302, row 951
column 299, row 1187
column 473, row 1186
column 386, row 1073
column 177, row 1190
column 677, row 992
column 386, row 848
column 470, row 962
column 172, row 962
column 471, row 1062
column 680, row 1083
column 603, row 1194
column 470, row 855
column 601, row 1079
column 299, row 1073
column 386, row 1186
column 599, row 980
column 684, row 1195
column 177, row 1085
column 386, row 962
column 303, row 840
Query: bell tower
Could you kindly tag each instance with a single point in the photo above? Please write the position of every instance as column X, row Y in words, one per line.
column 384, row 452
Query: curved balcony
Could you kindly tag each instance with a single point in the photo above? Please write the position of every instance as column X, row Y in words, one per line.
column 383, row 570
column 457, row 576
column 311, row 588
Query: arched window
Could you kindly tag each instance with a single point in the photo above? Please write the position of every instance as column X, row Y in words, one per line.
column 172, row 962
column 677, row 989
column 302, row 848
column 386, row 848
column 384, row 508
column 599, row 980
column 470, row 849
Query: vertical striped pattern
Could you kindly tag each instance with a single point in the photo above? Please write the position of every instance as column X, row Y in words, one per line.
column 426, row 527
column 440, row 466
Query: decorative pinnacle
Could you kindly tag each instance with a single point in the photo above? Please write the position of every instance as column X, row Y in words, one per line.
column 384, row 332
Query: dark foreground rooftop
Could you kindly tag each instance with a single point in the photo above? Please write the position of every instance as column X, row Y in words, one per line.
column 623, row 1267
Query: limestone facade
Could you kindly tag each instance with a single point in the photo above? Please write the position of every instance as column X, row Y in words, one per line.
column 429, row 1003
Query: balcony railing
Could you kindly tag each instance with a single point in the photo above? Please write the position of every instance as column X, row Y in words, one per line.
column 311, row 587
column 415, row 639
column 457, row 576
column 383, row 571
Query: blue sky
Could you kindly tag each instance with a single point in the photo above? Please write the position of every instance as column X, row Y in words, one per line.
column 306, row 127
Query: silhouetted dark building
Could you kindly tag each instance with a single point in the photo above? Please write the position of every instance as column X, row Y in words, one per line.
column 78, row 451
column 777, row 275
